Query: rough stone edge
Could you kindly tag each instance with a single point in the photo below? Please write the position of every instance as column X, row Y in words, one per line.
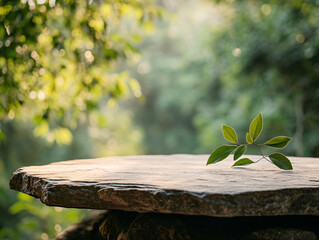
column 22, row 182
column 301, row 201
column 52, row 194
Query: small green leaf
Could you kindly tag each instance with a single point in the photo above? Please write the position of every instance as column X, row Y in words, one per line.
column 278, row 142
column 255, row 127
column 239, row 152
column 280, row 161
column 243, row 162
column 220, row 153
column 229, row 134
column 248, row 138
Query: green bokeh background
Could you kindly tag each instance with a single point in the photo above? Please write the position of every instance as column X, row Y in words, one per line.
column 85, row 79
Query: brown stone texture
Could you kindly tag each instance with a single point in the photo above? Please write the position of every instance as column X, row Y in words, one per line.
column 175, row 184
column 120, row 225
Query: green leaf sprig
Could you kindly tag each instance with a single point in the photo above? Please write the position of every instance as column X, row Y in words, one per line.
column 255, row 128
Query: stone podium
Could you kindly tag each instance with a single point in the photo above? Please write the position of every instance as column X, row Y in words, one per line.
column 178, row 197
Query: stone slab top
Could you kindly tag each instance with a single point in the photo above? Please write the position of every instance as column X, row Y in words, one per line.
column 179, row 184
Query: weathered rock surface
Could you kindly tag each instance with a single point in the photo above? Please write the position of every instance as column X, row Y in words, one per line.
column 121, row 225
column 176, row 184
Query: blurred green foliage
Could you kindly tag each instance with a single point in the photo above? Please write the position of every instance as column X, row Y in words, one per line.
column 60, row 69
column 39, row 221
column 58, row 61
column 64, row 68
column 225, row 63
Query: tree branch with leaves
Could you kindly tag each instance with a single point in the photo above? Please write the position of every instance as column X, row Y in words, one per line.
column 255, row 128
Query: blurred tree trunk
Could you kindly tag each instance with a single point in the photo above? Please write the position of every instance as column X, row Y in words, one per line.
column 299, row 112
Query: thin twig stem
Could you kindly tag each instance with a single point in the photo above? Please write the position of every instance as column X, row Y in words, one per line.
column 263, row 156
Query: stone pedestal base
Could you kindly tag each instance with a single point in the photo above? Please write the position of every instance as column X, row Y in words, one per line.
column 120, row 225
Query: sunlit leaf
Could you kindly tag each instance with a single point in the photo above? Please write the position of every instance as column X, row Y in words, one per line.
column 229, row 134
column 24, row 206
column 280, row 161
column 42, row 129
column 256, row 127
column 248, row 138
column 62, row 135
column 24, row 197
column 220, row 153
column 149, row 27
column 135, row 87
column 239, row 152
column 278, row 142
column 102, row 121
column 243, row 162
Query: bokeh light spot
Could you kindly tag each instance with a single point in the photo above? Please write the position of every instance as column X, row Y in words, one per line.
column 266, row 9
column 236, row 52
column 300, row 38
